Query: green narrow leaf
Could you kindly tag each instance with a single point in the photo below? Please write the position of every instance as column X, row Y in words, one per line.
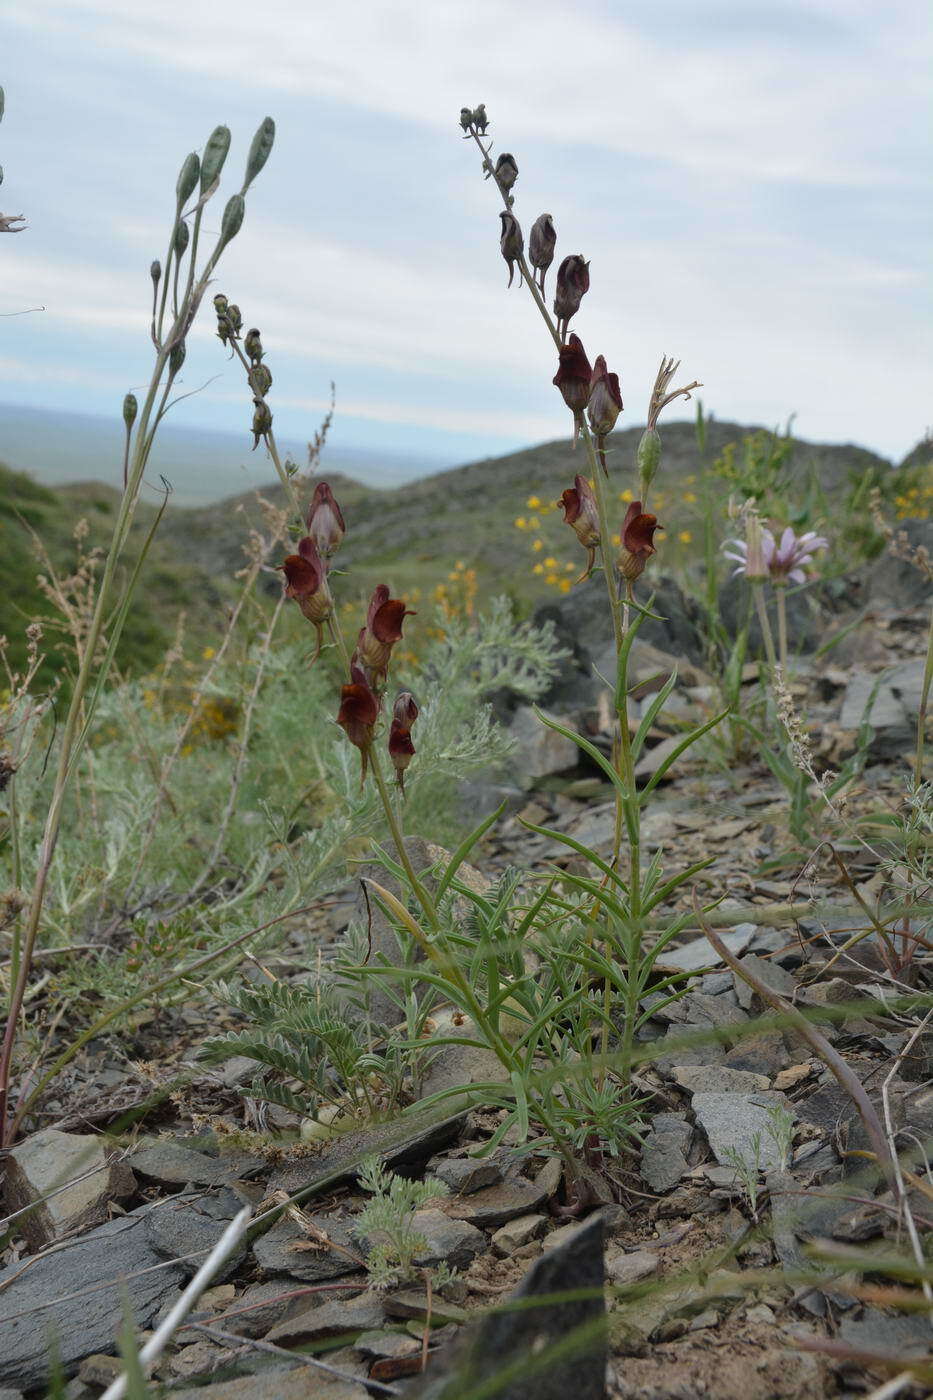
column 681, row 748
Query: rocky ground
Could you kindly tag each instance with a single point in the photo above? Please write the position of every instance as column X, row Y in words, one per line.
column 703, row 1272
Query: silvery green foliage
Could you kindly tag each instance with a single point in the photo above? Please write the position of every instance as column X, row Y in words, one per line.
column 386, row 1222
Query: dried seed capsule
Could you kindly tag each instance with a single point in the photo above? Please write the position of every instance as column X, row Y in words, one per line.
column 541, row 244
column 221, row 304
column 215, row 153
column 604, row 406
column 262, row 420
column 259, row 151
column 177, row 358
column 187, row 178
column 130, row 407
column 155, row 271
column 252, row 344
column 511, row 243
column 466, row 118
column 260, row 378
column 480, row 119
column 234, row 318
column 506, row 171
column 180, row 241
column 573, row 280
column 232, row 220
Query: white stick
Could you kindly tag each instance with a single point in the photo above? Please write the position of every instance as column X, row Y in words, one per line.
column 160, row 1338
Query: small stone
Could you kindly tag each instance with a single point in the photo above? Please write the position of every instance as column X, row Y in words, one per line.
column 447, row 1240
column 281, row 1383
column 386, row 1344
column 517, row 1233
column 467, row 1174
column 198, row 1359
column 760, row 1313
column 99, row 1370
column 341, row 1317
column 766, row 971
column 733, row 1122
column 166, row 1159
column 287, row 1249
column 37, row 1170
column 690, row 957
column 625, row 1269
column 263, row 1306
column 760, row 1054
column 412, row 1303
column 792, row 1076
column 186, row 1225
column 718, row 1079
column 494, row 1205
column 708, row 1318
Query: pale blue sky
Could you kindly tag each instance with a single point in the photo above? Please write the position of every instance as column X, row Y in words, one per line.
column 750, row 181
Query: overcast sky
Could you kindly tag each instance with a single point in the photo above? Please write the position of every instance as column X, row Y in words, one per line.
column 749, row 178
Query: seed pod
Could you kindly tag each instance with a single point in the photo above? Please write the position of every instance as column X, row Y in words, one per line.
column 648, row 458
column 232, row 220
column 177, row 358
column 541, row 244
column 234, row 318
column 221, row 304
column 604, row 406
column 480, row 119
column 129, row 410
column 260, row 378
column 252, row 344
column 466, row 118
column 506, row 171
column 573, row 280
column 155, row 271
column 187, row 178
column 259, row 151
column 215, row 153
column 262, row 420
column 181, row 238
column 511, row 243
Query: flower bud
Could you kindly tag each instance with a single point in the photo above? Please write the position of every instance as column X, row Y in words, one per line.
column 359, row 710
column 581, row 513
column 187, row 178
column 180, row 241
column 155, row 272
column 648, row 458
column 325, row 521
column 604, row 406
column 215, row 153
column 480, row 119
column 637, row 542
column 466, row 118
column 512, row 243
column 232, row 221
column 573, row 380
column 573, row 281
column 234, row 318
column 401, row 748
column 130, row 408
column 541, row 245
column 383, row 628
column 252, row 344
column 506, row 172
column 262, row 420
column 259, row 151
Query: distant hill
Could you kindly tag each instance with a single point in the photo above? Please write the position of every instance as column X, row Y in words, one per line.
column 409, row 536
column 203, row 466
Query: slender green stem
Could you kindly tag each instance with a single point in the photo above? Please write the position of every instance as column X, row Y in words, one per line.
column 780, row 594
column 758, row 591
column 398, row 836
column 922, row 711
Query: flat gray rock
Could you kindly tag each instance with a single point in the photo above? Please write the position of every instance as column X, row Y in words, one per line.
column 192, row 1224
column 494, row 1205
column 466, row 1174
column 699, row 952
column 447, row 1240
column 166, row 1159
column 68, row 1180
column 287, row 1249
column 340, row 1317
column 88, row 1278
column 299, row 1383
column 896, row 701
column 718, row 1079
column 740, row 1124
column 664, row 1152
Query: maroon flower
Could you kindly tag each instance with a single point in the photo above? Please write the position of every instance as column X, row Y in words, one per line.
column 638, row 529
column 306, row 582
column 325, row 521
column 382, row 630
column 582, row 515
column 512, row 244
column 604, row 406
column 359, row 710
column 573, row 280
column 541, row 244
column 573, row 380
column 401, row 749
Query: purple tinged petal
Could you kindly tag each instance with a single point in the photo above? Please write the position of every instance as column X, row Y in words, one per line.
column 797, row 575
